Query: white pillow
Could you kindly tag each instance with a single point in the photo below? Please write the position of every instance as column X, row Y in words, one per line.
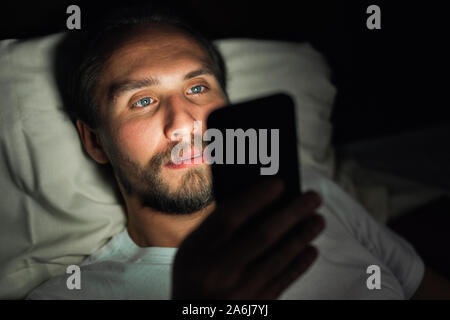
column 57, row 205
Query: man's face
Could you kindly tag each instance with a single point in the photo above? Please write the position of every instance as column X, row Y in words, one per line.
column 151, row 91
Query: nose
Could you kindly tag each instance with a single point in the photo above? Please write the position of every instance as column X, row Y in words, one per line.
column 179, row 119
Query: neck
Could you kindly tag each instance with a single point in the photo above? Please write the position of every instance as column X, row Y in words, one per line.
column 150, row 228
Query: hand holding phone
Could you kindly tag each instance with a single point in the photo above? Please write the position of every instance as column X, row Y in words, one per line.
column 244, row 250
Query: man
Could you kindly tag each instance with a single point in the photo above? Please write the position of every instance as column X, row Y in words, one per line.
column 141, row 86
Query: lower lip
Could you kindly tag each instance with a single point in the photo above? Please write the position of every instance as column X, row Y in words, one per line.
column 189, row 163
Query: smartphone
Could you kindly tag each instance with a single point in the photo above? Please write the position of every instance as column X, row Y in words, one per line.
column 259, row 139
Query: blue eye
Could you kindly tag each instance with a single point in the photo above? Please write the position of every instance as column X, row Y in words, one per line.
column 143, row 102
column 196, row 89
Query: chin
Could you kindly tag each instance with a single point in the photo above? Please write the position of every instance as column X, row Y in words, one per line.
column 194, row 177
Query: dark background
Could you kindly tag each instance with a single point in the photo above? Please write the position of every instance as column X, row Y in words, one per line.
column 389, row 81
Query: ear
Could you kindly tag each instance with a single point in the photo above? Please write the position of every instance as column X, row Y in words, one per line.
column 92, row 143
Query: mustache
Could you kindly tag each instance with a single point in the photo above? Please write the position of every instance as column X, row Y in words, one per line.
column 165, row 156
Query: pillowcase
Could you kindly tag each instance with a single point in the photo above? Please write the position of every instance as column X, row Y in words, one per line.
column 57, row 205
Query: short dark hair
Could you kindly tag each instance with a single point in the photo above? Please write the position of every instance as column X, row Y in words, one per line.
column 101, row 40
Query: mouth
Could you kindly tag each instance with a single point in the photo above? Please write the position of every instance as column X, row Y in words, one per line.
column 193, row 159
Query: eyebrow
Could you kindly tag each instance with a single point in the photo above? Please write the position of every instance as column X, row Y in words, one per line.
column 205, row 70
column 120, row 87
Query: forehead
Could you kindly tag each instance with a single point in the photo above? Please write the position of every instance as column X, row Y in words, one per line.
column 152, row 47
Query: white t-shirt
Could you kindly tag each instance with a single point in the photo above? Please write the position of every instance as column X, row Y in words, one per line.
column 351, row 242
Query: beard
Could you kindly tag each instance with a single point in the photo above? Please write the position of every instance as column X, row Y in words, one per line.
column 194, row 192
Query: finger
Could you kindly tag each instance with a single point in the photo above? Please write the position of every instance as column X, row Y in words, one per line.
column 278, row 258
column 227, row 218
column 258, row 236
column 289, row 275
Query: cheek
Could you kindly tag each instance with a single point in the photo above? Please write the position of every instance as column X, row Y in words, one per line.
column 137, row 140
